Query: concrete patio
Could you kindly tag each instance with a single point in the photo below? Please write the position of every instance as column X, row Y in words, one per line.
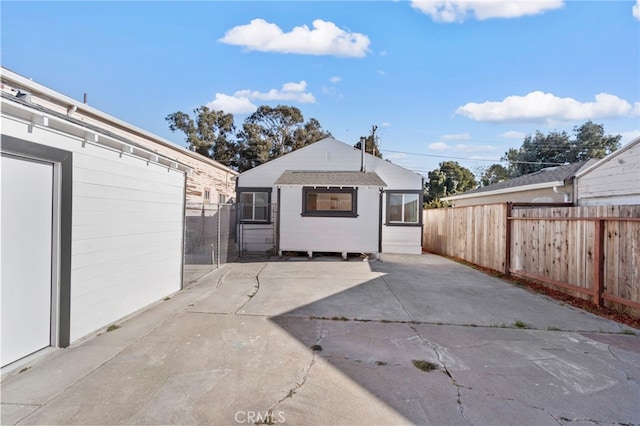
column 236, row 348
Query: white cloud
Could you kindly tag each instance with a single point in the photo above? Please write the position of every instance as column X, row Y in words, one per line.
column 636, row 10
column 241, row 101
column 460, row 10
column 289, row 92
column 385, row 124
column 335, row 79
column 232, row 104
column 381, row 73
column 457, row 137
column 636, row 107
column 324, row 39
column 384, row 52
column 513, row 135
column 438, row 146
column 546, row 107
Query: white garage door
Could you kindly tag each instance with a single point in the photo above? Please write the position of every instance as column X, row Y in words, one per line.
column 27, row 202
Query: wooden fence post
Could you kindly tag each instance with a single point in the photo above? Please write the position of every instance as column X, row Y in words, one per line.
column 507, row 238
column 598, row 261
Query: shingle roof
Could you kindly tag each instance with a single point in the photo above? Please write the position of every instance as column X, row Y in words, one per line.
column 330, row 178
column 550, row 174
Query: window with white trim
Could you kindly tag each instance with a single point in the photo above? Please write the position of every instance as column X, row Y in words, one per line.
column 403, row 208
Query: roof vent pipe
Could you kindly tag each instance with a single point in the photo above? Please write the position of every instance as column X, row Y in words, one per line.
column 362, row 150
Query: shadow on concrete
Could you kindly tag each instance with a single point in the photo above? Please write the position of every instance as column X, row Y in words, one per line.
column 500, row 353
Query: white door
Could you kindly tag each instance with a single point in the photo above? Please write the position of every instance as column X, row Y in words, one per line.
column 27, row 203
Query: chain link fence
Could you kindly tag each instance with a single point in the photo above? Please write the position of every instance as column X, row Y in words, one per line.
column 210, row 239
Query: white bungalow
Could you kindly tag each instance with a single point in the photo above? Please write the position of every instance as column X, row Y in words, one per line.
column 330, row 197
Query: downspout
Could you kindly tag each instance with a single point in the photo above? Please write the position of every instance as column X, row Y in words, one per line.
column 380, row 224
column 363, row 144
column 567, row 195
column 278, row 211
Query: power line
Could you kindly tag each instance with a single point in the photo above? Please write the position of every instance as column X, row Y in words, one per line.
column 475, row 159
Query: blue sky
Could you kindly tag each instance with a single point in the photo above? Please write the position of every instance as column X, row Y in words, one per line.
column 461, row 80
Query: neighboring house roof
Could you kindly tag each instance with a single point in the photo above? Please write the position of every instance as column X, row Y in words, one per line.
column 545, row 178
column 330, row 178
column 32, row 87
column 68, row 124
column 609, row 157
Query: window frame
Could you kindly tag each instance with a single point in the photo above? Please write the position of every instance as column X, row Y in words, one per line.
column 254, row 190
column 353, row 213
column 389, row 222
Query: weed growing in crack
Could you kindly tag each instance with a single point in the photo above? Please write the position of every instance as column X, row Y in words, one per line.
column 553, row 328
column 521, row 324
column 23, row 370
column 166, row 298
column 629, row 332
column 424, row 365
column 316, row 348
column 381, row 363
column 342, row 318
column 113, row 327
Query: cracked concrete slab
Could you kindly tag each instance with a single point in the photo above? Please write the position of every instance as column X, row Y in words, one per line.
column 235, row 348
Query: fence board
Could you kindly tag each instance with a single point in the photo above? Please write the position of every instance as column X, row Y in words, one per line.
column 555, row 244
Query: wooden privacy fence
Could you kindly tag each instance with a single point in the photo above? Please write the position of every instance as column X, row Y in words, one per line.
column 588, row 252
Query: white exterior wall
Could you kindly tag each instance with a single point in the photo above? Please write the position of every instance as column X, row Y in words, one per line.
column 402, row 239
column 332, row 155
column 127, row 226
column 331, row 234
column 614, row 181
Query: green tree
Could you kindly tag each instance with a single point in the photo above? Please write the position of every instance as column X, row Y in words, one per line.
column 540, row 151
column 270, row 133
column 449, row 179
column 591, row 142
column 309, row 133
column 208, row 134
column 494, row 174
column 371, row 143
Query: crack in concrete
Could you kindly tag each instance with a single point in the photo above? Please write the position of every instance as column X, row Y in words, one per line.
column 256, row 288
column 558, row 420
column 440, row 358
column 297, row 386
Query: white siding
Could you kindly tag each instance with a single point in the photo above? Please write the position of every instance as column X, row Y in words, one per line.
column 359, row 235
column 332, row 234
column 402, row 239
column 613, row 181
column 127, row 225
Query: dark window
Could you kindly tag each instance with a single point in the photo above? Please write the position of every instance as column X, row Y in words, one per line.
column 333, row 202
column 403, row 208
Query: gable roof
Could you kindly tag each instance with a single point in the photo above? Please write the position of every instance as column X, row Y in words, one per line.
column 330, row 178
column 609, row 157
column 545, row 178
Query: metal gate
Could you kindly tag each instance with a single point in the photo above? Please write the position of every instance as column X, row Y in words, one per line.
column 258, row 236
column 209, row 239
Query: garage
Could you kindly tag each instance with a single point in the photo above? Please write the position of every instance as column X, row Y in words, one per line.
column 92, row 228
